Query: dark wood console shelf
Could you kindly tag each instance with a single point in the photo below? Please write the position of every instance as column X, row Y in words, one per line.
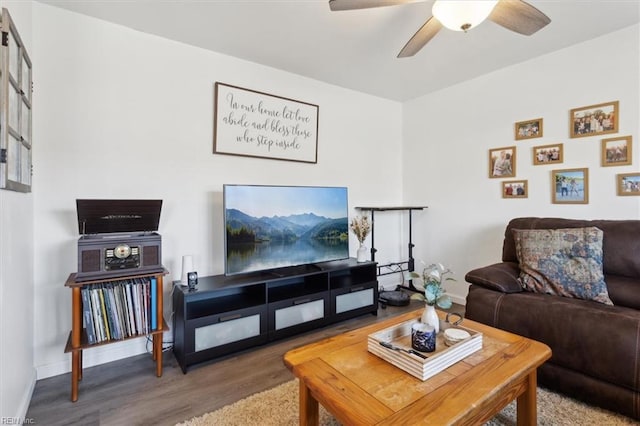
column 224, row 314
column 405, row 265
column 148, row 325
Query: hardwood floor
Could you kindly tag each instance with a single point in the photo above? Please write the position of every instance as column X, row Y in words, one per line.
column 127, row 392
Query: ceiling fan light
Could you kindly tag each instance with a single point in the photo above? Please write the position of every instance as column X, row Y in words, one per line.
column 462, row 15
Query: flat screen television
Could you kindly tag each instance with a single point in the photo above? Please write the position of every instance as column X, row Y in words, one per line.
column 273, row 227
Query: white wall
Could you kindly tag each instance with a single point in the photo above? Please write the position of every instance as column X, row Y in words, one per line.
column 447, row 136
column 17, row 374
column 122, row 114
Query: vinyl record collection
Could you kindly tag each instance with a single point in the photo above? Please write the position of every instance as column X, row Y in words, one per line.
column 120, row 309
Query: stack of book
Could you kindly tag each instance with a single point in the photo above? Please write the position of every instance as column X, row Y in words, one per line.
column 120, row 309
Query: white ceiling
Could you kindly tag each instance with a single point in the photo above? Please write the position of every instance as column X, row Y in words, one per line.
column 357, row 49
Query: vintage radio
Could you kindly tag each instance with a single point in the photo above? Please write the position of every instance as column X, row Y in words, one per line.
column 118, row 238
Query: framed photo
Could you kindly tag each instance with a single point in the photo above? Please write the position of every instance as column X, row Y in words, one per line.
column 594, row 120
column 502, row 162
column 616, row 151
column 529, row 129
column 515, row 189
column 570, row 186
column 249, row 123
column 548, row 154
column 629, row 183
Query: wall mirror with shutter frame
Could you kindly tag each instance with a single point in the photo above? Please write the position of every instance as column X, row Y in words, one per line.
column 15, row 109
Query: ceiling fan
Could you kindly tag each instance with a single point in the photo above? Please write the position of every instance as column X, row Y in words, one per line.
column 514, row 15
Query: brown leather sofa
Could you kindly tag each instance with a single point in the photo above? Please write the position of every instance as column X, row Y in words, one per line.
column 596, row 347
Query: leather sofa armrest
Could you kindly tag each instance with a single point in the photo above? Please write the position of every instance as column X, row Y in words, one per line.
column 499, row 276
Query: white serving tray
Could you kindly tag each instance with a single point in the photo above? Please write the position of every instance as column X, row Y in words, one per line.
column 443, row 357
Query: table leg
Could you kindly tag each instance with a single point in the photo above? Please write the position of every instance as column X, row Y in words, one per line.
column 157, row 351
column 76, row 340
column 75, row 371
column 308, row 407
column 527, row 402
column 80, row 365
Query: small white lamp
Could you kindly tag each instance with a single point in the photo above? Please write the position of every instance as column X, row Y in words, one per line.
column 187, row 266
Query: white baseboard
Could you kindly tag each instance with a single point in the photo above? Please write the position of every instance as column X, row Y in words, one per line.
column 21, row 410
column 460, row 300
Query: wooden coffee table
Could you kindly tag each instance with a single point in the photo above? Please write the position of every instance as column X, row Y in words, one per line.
column 359, row 388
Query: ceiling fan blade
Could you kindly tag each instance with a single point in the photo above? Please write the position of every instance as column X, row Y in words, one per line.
column 519, row 16
column 336, row 5
column 420, row 38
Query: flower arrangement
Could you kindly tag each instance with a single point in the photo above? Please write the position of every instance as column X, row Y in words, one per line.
column 361, row 227
column 433, row 277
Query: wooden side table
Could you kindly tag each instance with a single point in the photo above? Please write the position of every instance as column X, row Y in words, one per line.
column 78, row 340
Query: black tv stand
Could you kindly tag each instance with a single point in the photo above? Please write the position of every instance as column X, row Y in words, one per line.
column 294, row 270
column 225, row 314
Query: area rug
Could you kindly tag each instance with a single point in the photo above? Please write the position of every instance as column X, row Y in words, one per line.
column 279, row 407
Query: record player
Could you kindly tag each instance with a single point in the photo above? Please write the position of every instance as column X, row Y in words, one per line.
column 118, row 238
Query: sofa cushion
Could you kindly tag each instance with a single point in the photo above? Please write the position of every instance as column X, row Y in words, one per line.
column 562, row 262
column 623, row 291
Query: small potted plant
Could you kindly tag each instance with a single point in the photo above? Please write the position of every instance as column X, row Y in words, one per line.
column 433, row 278
column 361, row 227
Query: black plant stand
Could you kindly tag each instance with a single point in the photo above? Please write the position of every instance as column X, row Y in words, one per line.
column 405, row 265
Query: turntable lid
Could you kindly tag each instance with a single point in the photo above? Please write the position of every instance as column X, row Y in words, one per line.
column 110, row 216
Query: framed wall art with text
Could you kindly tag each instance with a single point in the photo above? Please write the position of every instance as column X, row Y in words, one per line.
column 256, row 124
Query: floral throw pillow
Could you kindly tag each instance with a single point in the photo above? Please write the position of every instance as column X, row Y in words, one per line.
column 563, row 262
